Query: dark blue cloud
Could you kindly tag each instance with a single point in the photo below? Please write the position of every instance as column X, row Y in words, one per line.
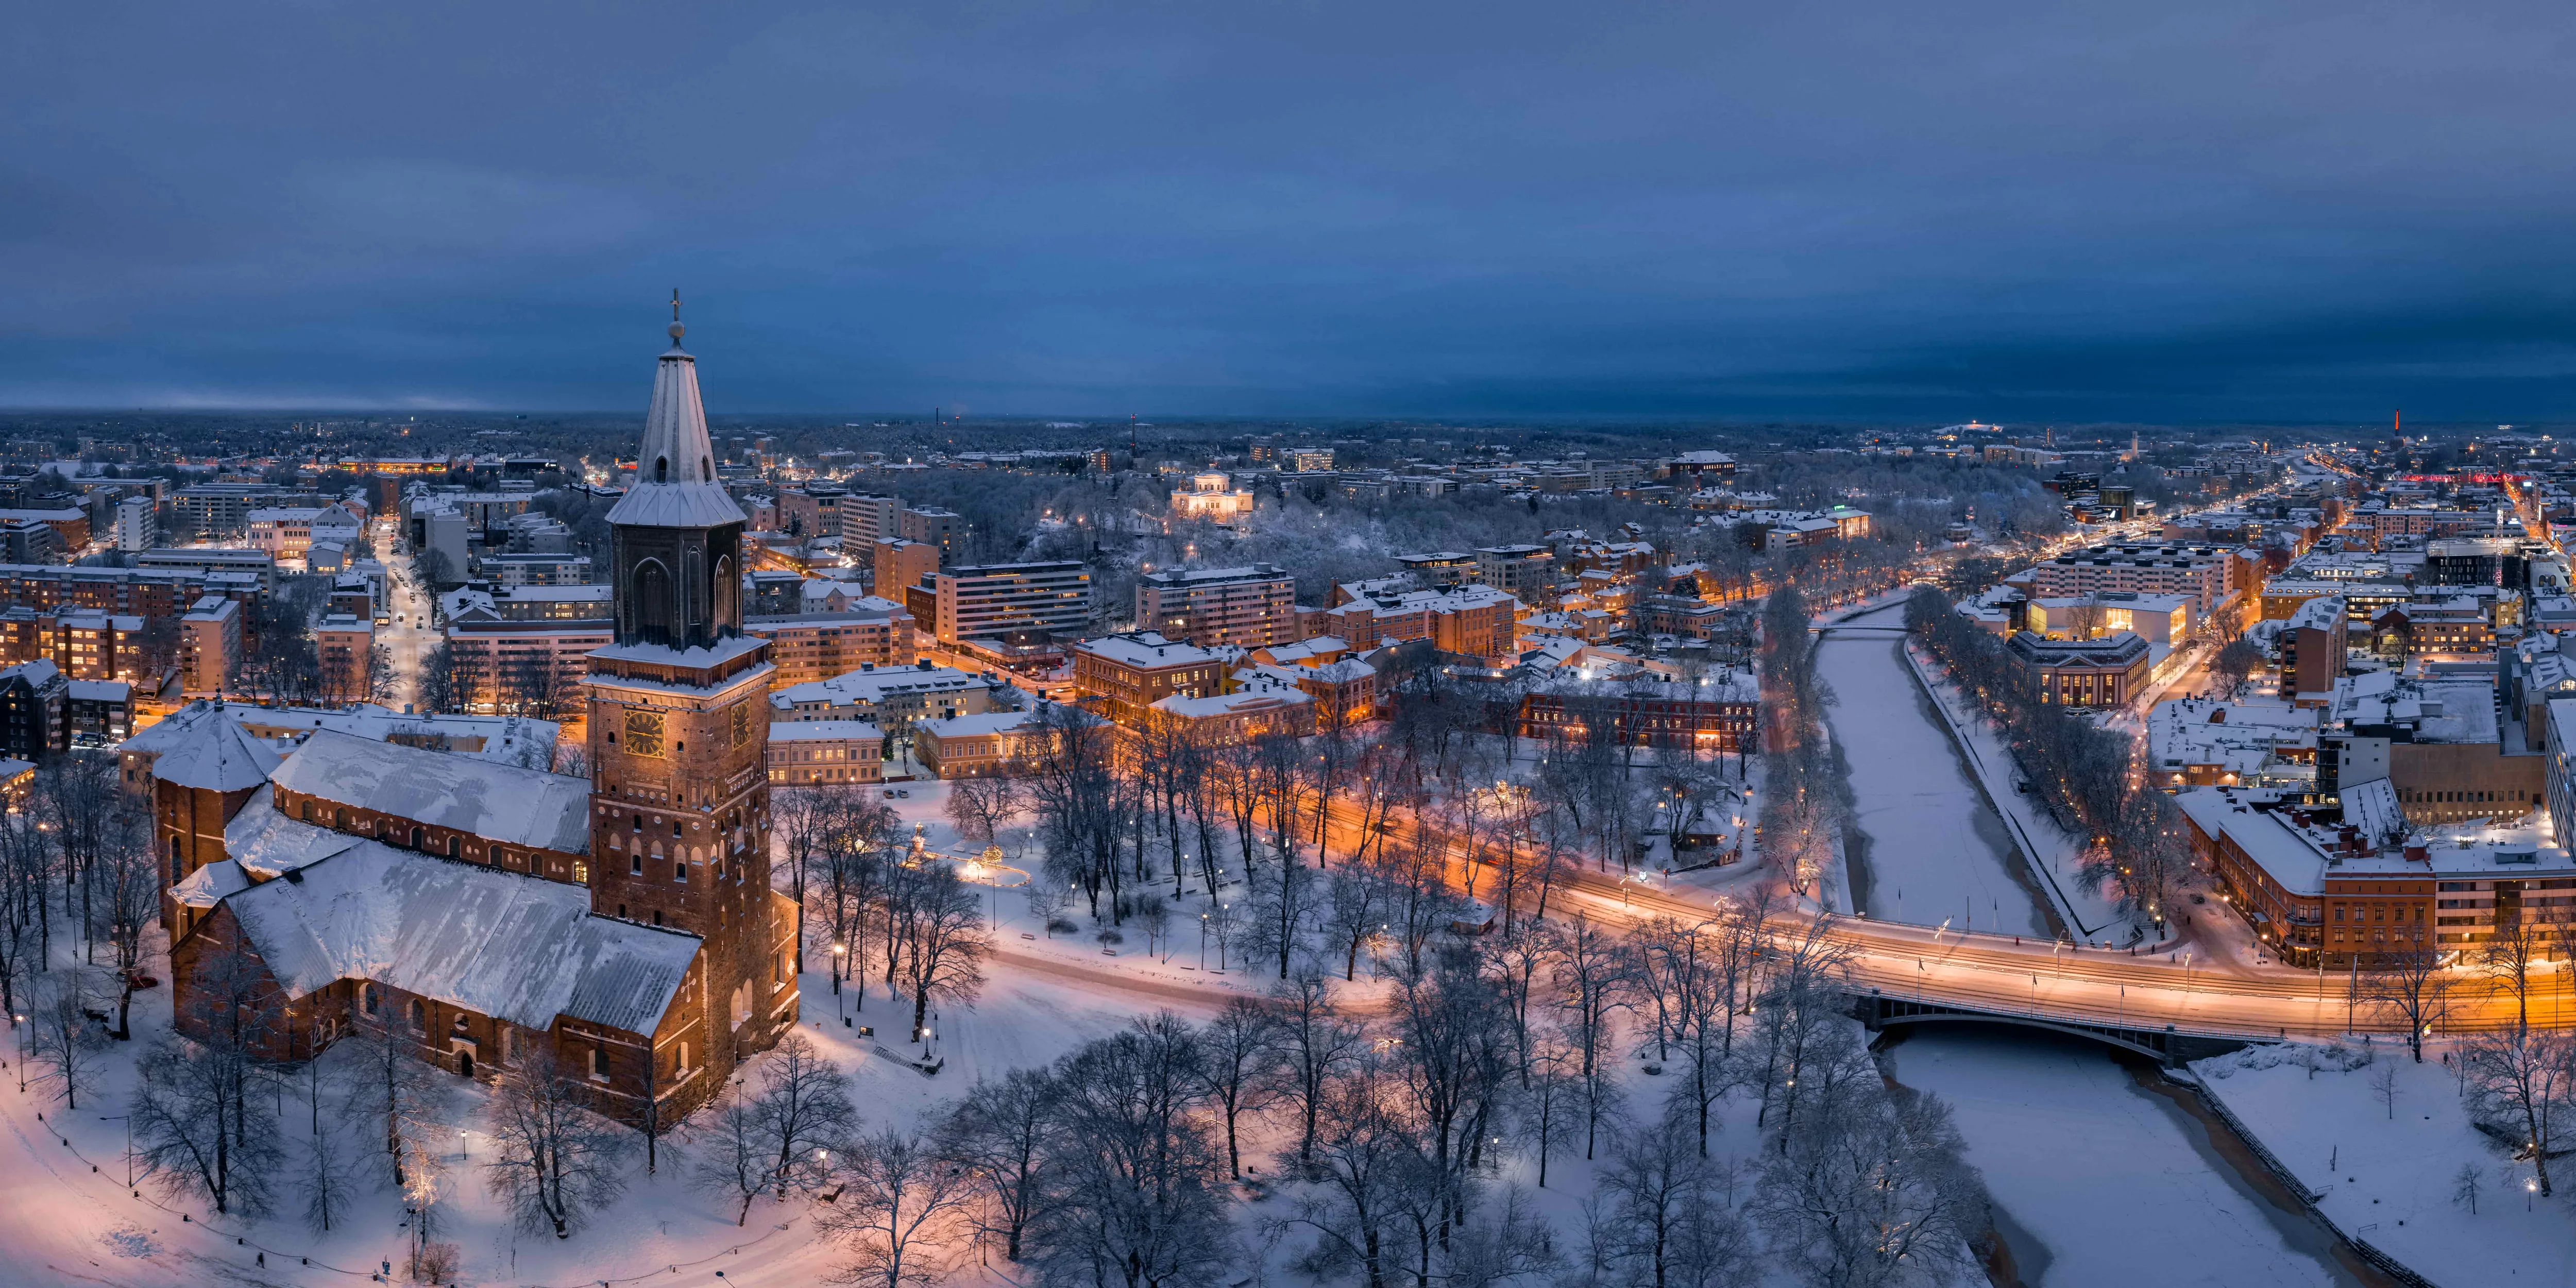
column 2176, row 211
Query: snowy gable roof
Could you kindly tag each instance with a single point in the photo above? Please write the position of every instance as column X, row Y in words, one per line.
column 204, row 746
column 267, row 843
column 497, row 802
column 515, row 947
column 208, row 886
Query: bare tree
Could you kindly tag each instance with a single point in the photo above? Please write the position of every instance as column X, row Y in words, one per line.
column 556, row 1161
column 1142, row 1184
column 802, row 1112
column 129, row 880
column 945, row 942
column 1550, row 1100
column 196, row 1133
column 1869, row 1189
column 981, row 806
column 2411, row 987
column 2519, row 1081
column 1238, row 1053
column 734, row 1160
column 1589, row 972
column 330, row 1180
column 1001, row 1131
column 2507, row 957
column 900, row 1197
column 1315, row 1041
column 62, row 1040
column 1364, row 1163
column 1672, row 1226
column 2383, row 1086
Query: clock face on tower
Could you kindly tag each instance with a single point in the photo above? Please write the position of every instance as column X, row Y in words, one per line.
column 643, row 733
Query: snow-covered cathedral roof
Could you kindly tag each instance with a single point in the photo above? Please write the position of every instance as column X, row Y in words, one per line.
column 504, row 944
column 497, row 802
column 675, row 469
column 204, row 746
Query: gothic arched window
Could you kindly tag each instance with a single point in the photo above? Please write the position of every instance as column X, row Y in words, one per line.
column 651, row 595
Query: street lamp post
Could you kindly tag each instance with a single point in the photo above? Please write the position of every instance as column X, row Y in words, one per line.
column 839, row 1004
column 22, row 1052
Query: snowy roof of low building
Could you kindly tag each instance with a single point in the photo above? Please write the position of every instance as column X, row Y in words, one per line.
column 516, row 947
column 1267, row 697
column 101, row 690
column 1145, row 649
column 497, row 802
column 824, row 731
column 204, row 746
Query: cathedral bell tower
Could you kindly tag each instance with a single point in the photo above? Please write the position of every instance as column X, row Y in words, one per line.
column 678, row 727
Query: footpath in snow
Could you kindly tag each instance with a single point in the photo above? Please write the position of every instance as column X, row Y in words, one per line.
column 1935, row 853
column 2389, row 1177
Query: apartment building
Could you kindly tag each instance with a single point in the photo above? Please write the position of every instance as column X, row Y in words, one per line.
column 2314, row 651
column 1134, row 671
column 2197, row 571
column 529, row 668
column 86, row 645
column 1253, row 606
column 1523, row 572
column 825, row 753
column 893, row 698
column 210, row 646
column 867, row 517
column 815, row 646
column 942, row 530
column 346, row 646
column 988, row 599
column 1440, row 568
column 898, row 562
column 1471, row 621
column 536, row 569
column 2349, row 886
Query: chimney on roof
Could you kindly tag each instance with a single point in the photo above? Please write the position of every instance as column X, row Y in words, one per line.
column 2418, row 854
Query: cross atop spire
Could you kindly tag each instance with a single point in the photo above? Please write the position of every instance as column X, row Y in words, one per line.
column 677, row 330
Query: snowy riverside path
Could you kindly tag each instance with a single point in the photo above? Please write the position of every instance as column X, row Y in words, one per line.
column 1935, row 852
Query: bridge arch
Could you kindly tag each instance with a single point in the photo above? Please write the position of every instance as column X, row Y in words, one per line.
column 2160, row 1043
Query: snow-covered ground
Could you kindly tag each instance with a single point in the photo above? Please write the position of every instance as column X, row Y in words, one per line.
column 2116, row 1184
column 2391, row 1179
column 1936, row 854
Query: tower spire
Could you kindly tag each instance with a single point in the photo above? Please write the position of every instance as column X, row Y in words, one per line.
column 677, row 330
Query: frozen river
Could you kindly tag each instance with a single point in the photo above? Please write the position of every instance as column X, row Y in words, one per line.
column 1932, row 852
column 2100, row 1178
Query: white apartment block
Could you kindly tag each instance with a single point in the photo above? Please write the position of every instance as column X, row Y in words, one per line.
column 976, row 600
column 2196, row 571
column 1253, row 606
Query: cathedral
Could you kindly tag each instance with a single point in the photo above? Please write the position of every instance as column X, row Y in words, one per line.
column 476, row 910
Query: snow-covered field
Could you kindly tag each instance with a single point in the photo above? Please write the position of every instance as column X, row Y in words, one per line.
column 2118, row 1185
column 1936, row 853
column 2392, row 1180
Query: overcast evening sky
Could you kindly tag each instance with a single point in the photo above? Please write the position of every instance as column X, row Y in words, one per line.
column 2027, row 212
